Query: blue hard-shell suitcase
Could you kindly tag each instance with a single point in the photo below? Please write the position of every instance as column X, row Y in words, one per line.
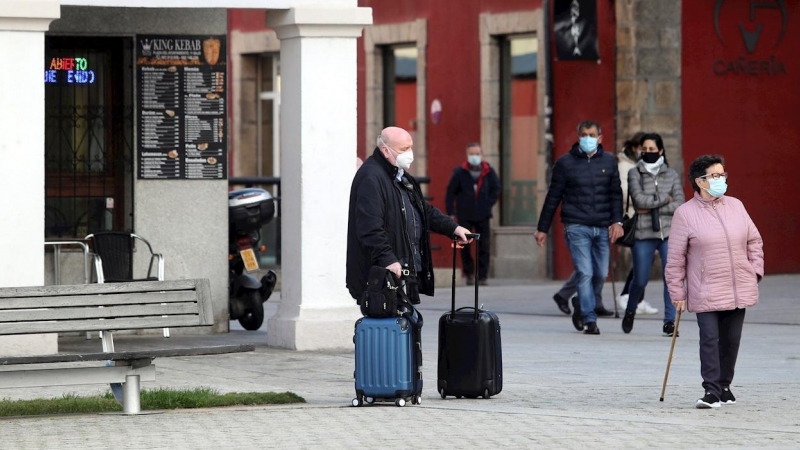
column 388, row 360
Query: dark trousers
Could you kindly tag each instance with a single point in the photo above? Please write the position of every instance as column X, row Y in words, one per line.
column 720, row 334
column 484, row 250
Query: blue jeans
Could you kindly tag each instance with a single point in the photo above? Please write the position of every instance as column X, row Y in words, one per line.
column 644, row 252
column 589, row 249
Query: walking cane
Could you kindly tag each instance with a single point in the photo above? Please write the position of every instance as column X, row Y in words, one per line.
column 613, row 277
column 669, row 361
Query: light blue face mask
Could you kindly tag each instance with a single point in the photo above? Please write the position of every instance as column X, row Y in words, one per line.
column 717, row 187
column 588, row 144
column 474, row 160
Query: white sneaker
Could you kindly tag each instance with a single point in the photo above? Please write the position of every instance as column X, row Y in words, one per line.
column 646, row 308
column 622, row 301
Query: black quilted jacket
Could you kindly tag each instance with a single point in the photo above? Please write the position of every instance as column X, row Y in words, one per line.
column 588, row 190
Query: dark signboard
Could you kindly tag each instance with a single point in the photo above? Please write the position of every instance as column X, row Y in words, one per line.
column 575, row 28
column 182, row 107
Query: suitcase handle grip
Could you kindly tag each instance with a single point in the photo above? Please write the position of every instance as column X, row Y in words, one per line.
column 477, row 238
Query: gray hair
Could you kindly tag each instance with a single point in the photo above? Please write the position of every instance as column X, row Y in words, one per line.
column 586, row 124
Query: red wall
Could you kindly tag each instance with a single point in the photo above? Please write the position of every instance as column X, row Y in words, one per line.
column 583, row 90
column 750, row 119
column 453, row 76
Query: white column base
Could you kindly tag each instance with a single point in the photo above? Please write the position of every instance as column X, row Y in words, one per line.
column 314, row 329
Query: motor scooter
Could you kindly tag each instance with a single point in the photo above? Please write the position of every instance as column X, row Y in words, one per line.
column 248, row 210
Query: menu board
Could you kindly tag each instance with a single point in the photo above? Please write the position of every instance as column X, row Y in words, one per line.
column 182, row 107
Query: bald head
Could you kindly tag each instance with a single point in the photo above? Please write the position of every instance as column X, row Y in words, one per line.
column 395, row 137
column 394, row 141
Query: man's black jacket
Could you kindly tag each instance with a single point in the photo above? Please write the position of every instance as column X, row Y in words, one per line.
column 377, row 230
column 469, row 204
column 587, row 188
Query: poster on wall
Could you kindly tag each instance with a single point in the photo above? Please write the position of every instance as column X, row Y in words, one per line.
column 575, row 28
column 182, row 107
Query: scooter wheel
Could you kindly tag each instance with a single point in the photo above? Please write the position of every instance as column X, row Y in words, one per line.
column 254, row 316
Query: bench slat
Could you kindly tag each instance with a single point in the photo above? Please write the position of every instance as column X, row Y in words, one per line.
column 89, row 289
column 73, row 376
column 98, row 300
column 64, row 314
column 132, row 323
column 128, row 355
column 204, row 300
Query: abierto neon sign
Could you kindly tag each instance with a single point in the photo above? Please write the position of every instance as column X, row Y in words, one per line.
column 70, row 71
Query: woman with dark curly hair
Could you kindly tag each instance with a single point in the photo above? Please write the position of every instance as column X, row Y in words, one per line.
column 714, row 265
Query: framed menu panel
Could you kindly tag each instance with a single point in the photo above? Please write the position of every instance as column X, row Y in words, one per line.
column 182, row 107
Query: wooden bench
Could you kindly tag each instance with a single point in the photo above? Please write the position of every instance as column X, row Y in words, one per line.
column 105, row 308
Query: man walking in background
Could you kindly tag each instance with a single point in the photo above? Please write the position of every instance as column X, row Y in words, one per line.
column 471, row 193
column 586, row 184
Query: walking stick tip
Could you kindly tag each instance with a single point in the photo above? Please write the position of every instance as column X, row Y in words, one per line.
column 661, row 399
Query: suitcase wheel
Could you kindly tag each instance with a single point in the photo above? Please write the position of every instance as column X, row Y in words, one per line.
column 369, row 400
column 459, row 396
column 400, row 402
column 357, row 401
column 486, row 393
column 416, row 400
column 443, row 393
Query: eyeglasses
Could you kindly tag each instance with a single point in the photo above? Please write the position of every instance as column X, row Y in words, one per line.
column 716, row 176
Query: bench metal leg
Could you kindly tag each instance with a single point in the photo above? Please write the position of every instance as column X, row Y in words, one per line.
column 131, row 398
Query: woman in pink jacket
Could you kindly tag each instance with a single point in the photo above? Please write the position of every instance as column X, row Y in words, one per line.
column 716, row 250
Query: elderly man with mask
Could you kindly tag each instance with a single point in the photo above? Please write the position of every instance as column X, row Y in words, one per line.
column 389, row 221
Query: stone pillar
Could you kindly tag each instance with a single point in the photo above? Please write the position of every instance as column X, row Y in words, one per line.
column 22, row 27
column 649, row 72
column 318, row 142
column 649, row 83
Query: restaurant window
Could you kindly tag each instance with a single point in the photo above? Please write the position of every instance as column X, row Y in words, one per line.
column 518, row 128
column 88, row 135
column 400, row 87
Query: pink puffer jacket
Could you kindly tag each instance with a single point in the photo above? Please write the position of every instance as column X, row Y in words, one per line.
column 716, row 249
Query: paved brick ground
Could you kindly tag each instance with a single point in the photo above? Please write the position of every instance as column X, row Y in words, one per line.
column 562, row 389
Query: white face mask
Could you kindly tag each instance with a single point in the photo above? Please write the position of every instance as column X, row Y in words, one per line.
column 474, row 160
column 402, row 160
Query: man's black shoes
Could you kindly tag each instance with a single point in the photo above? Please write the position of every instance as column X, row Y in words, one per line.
column 563, row 304
column 601, row 311
column 627, row 322
column 577, row 320
column 591, row 328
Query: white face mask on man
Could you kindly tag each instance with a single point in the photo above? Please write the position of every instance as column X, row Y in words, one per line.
column 402, row 160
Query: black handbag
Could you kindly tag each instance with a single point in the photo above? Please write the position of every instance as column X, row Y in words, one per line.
column 629, row 223
column 381, row 298
column 628, row 230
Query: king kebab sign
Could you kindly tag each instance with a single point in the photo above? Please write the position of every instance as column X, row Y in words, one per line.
column 749, row 64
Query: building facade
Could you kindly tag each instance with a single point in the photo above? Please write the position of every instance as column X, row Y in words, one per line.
column 708, row 76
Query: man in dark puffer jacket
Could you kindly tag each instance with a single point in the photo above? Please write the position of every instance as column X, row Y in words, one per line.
column 389, row 220
column 586, row 183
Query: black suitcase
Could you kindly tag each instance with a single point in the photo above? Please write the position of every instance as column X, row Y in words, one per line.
column 470, row 352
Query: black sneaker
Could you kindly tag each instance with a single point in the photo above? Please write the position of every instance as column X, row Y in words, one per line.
column 563, row 304
column 577, row 320
column 727, row 397
column 627, row 322
column 708, row 401
column 669, row 329
column 591, row 328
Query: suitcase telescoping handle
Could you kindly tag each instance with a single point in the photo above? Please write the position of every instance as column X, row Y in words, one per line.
column 477, row 238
